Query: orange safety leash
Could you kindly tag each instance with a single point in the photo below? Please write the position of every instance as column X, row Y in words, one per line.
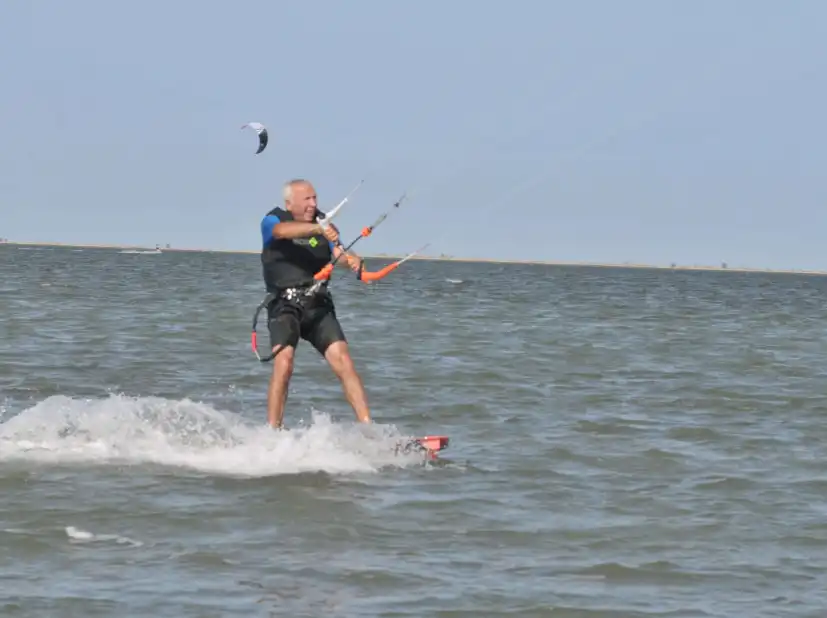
column 369, row 277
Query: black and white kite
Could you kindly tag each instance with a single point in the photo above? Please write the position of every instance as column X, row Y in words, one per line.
column 261, row 131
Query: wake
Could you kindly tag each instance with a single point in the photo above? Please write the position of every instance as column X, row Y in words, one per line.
column 184, row 434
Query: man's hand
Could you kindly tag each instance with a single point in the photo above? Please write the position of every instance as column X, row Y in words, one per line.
column 355, row 262
column 331, row 233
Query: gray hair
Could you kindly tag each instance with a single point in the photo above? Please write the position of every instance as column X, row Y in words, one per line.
column 287, row 188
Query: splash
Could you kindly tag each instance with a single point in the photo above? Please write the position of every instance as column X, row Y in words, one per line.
column 84, row 536
column 190, row 435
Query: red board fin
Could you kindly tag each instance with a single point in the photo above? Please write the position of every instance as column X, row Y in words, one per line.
column 430, row 445
column 433, row 443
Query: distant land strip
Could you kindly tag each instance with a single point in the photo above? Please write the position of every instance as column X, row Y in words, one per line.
column 441, row 258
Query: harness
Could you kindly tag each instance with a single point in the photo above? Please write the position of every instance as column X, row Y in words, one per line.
column 297, row 297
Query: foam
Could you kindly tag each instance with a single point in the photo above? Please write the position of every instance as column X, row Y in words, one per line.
column 191, row 435
column 84, row 536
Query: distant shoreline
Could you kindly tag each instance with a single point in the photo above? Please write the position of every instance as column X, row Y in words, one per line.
column 687, row 267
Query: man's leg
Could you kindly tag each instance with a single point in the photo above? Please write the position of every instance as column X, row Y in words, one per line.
column 279, row 383
column 338, row 357
column 284, row 337
column 326, row 335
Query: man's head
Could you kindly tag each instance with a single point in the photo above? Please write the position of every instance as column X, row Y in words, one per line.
column 300, row 200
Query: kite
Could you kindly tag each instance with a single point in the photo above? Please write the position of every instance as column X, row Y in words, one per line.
column 261, row 130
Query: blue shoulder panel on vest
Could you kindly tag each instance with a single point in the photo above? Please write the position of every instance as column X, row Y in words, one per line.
column 267, row 225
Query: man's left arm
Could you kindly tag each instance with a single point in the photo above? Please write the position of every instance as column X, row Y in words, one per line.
column 348, row 260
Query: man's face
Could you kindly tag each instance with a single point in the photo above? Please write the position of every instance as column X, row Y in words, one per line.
column 302, row 204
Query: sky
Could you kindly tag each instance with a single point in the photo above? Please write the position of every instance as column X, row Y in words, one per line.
column 640, row 131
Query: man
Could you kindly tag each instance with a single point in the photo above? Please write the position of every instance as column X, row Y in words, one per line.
column 294, row 248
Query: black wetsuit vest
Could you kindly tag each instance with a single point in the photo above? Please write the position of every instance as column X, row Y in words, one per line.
column 290, row 263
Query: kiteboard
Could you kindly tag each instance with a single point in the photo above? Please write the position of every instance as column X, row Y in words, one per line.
column 428, row 445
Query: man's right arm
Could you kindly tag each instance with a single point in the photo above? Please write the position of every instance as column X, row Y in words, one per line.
column 296, row 229
column 271, row 228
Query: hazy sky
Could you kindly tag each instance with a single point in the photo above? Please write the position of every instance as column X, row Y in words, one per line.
column 646, row 131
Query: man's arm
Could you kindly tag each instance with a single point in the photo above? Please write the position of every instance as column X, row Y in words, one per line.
column 296, row 229
column 272, row 227
column 267, row 225
column 349, row 260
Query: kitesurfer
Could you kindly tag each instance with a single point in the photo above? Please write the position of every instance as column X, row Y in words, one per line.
column 294, row 248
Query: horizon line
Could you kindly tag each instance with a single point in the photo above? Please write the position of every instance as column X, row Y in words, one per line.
column 723, row 267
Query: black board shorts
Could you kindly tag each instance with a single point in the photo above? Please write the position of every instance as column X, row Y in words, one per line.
column 313, row 320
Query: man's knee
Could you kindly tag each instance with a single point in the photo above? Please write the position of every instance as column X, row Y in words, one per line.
column 338, row 356
column 283, row 362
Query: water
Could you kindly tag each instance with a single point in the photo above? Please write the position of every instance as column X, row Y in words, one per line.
column 625, row 443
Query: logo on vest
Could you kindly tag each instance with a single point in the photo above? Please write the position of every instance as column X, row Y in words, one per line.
column 313, row 242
